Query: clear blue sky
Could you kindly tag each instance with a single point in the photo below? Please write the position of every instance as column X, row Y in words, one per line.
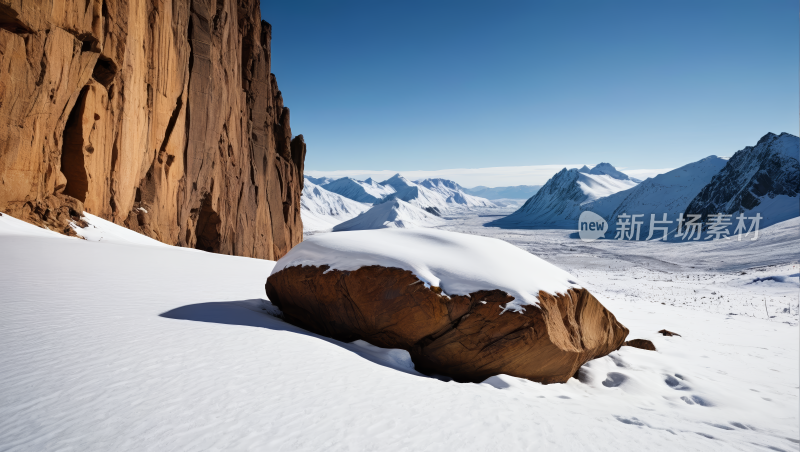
column 436, row 84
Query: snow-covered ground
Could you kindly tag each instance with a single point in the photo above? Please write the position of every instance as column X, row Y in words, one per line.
column 123, row 346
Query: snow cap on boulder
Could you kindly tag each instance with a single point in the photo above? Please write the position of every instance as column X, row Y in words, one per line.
column 457, row 263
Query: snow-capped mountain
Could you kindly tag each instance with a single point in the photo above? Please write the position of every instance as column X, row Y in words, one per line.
column 764, row 179
column 391, row 214
column 492, row 193
column 367, row 191
column 321, row 209
column 607, row 169
column 320, row 181
column 668, row 193
column 435, row 195
column 454, row 193
column 560, row 199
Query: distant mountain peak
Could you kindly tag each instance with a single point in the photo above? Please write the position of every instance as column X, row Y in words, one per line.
column 606, row 169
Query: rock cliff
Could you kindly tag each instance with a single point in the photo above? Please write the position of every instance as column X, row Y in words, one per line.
column 162, row 116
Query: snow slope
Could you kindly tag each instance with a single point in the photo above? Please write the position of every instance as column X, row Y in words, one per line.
column 322, row 209
column 668, row 193
column 391, row 214
column 107, row 346
column 458, row 263
column 367, row 191
column 100, row 230
column 559, row 201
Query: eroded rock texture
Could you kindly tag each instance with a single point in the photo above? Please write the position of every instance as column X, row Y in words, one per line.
column 464, row 337
column 161, row 116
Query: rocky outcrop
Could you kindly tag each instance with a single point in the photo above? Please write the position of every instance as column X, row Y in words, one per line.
column 468, row 338
column 644, row 344
column 752, row 177
column 668, row 333
column 160, row 116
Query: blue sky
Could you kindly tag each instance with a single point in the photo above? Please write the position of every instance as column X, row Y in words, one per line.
column 432, row 85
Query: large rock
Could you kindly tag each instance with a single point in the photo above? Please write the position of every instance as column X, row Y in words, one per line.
column 466, row 337
column 160, row 116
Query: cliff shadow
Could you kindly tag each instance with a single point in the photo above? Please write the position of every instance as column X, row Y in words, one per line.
column 256, row 313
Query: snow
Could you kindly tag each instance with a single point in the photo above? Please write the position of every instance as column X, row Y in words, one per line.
column 458, row 263
column 12, row 226
column 599, row 186
column 100, row 230
column 391, row 214
column 125, row 347
column 321, row 209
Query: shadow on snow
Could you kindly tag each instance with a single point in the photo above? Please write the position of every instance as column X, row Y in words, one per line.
column 253, row 313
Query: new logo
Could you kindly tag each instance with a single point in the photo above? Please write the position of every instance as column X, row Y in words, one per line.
column 591, row 226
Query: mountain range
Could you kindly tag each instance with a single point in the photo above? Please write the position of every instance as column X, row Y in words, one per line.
column 328, row 202
column 762, row 179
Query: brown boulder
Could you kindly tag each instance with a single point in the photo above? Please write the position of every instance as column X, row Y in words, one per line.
column 466, row 337
column 644, row 344
column 159, row 116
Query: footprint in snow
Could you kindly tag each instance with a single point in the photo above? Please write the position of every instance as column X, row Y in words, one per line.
column 675, row 383
column 631, row 421
column 696, row 400
column 614, row 379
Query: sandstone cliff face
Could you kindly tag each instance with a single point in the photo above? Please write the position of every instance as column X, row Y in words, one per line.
column 468, row 338
column 162, row 116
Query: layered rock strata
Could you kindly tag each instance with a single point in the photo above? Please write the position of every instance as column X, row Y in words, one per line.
column 468, row 338
column 159, row 116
